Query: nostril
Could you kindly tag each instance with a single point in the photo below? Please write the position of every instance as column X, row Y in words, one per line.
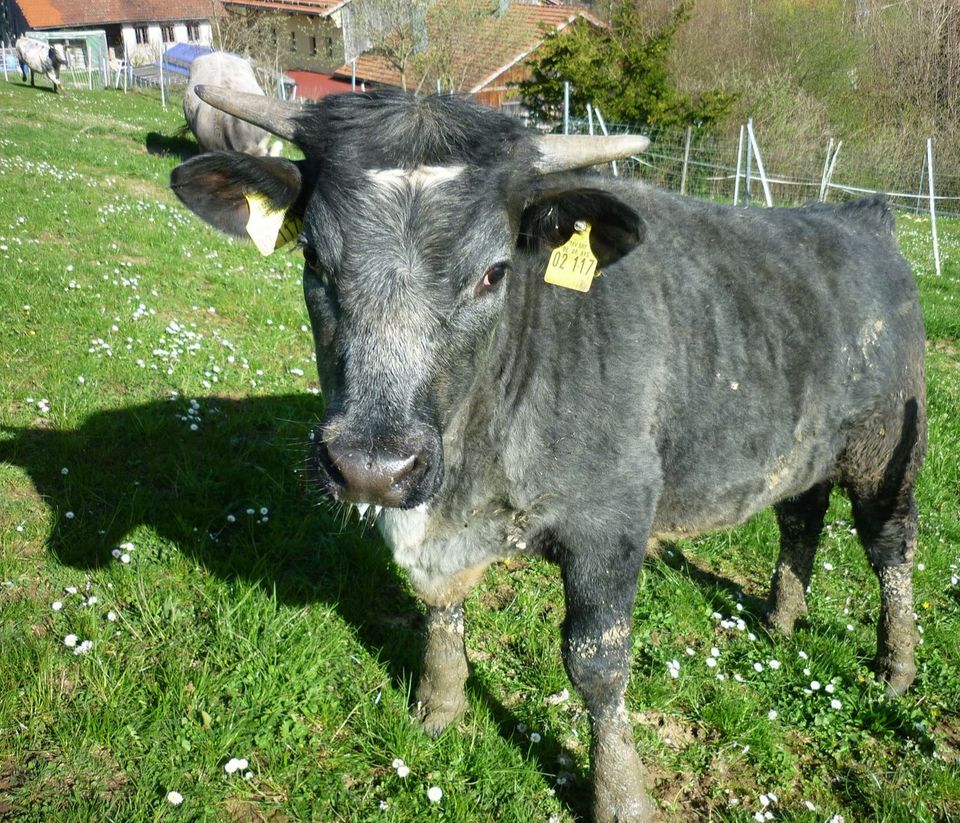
column 369, row 476
column 403, row 468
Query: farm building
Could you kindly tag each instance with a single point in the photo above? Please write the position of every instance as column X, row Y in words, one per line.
column 472, row 47
column 311, row 33
column 140, row 28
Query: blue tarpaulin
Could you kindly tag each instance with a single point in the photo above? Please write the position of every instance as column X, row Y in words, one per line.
column 180, row 56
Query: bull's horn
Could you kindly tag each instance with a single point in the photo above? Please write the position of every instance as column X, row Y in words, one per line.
column 276, row 116
column 560, row 152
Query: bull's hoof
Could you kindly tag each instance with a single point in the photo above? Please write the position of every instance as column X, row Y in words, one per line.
column 780, row 622
column 783, row 611
column 434, row 714
column 620, row 782
column 896, row 676
column 636, row 810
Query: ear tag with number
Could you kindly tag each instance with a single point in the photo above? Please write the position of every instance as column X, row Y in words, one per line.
column 573, row 265
column 269, row 228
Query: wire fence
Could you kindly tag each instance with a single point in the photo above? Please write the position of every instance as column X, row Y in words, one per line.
column 697, row 162
column 693, row 161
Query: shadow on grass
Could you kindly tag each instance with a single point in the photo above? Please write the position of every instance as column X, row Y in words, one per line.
column 145, row 466
column 719, row 590
column 713, row 585
column 181, row 144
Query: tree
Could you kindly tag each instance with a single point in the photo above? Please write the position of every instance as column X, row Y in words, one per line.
column 261, row 36
column 621, row 69
column 395, row 29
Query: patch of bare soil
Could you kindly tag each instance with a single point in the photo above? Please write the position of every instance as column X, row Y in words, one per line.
column 724, row 785
column 241, row 810
column 673, row 731
column 944, row 347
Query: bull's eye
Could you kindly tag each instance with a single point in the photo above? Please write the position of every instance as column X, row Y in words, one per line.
column 492, row 277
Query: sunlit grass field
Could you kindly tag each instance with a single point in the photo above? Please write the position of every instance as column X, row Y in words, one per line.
column 173, row 602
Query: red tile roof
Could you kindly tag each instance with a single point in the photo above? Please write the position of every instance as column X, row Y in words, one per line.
column 48, row 14
column 493, row 47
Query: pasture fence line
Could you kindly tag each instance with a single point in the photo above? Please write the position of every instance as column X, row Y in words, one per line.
column 87, row 66
column 694, row 160
column 748, row 170
column 698, row 162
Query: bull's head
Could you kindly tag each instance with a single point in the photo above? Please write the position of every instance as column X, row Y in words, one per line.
column 422, row 221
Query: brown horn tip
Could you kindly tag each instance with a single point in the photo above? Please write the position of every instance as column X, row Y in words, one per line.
column 560, row 152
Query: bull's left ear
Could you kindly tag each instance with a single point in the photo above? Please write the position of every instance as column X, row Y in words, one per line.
column 242, row 195
column 549, row 221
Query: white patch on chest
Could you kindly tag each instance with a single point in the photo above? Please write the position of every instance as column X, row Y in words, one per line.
column 403, row 531
column 421, row 177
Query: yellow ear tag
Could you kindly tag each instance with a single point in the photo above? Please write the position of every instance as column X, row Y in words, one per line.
column 573, row 265
column 269, row 228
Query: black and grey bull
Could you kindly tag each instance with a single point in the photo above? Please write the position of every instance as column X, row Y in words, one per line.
column 214, row 129
column 41, row 58
column 725, row 360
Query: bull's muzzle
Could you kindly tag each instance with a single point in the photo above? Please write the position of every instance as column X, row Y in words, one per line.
column 402, row 476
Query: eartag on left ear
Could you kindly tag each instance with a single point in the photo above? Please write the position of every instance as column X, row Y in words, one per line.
column 573, row 265
column 269, row 228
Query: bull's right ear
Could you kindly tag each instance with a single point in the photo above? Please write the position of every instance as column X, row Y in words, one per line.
column 242, row 195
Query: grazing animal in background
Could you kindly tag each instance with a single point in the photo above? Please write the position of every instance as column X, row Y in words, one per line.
column 726, row 360
column 215, row 130
column 41, row 57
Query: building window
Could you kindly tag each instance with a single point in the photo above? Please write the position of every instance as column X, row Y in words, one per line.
column 313, row 45
column 293, row 42
column 193, row 31
column 166, row 33
column 140, row 32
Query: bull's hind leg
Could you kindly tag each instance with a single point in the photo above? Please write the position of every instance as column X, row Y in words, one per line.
column 885, row 514
column 801, row 520
column 888, row 530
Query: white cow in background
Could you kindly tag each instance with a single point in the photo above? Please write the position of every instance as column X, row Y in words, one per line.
column 215, row 130
column 41, row 57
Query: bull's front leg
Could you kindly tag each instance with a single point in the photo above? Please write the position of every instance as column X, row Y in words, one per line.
column 600, row 588
column 440, row 697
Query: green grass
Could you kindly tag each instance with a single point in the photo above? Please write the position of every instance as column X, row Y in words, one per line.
column 177, row 386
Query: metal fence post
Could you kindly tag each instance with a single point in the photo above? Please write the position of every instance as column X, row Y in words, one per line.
column 823, row 174
column 736, row 179
column 603, row 128
column 933, row 207
column 566, row 107
column 686, row 161
column 163, row 91
column 763, row 174
column 825, row 185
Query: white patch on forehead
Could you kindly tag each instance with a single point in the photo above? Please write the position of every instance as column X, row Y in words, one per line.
column 422, row 176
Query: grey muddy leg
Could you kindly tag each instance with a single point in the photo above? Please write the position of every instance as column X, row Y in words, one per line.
column 801, row 520
column 890, row 538
column 440, row 698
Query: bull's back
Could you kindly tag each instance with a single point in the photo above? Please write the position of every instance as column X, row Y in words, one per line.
column 752, row 342
column 789, row 329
